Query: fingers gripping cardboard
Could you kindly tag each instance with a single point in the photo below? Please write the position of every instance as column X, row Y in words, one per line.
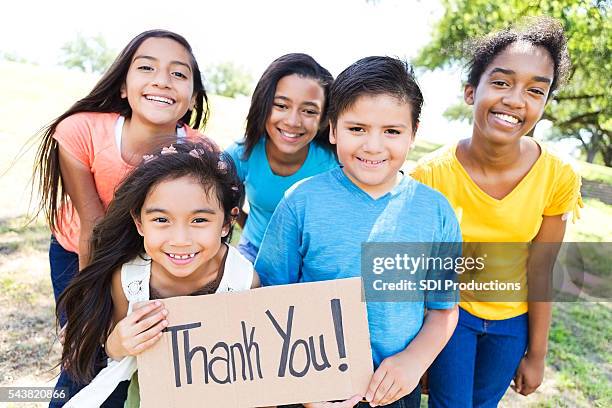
column 268, row 346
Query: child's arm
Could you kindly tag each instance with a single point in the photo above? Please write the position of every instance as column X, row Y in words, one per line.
column 256, row 282
column 79, row 184
column 137, row 332
column 530, row 373
column 279, row 261
column 399, row 374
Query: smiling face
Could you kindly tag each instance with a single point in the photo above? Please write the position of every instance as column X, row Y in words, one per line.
column 295, row 116
column 373, row 138
column 182, row 235
column 512, row 92
column 159, row 83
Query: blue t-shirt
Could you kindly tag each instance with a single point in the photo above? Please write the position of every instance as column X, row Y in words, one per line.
column 316, row 234
column 264, row 189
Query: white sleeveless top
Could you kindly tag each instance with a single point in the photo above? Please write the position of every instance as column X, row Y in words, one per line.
column 135, row 278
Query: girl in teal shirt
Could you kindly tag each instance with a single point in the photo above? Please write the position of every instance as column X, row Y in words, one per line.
column 288, row 111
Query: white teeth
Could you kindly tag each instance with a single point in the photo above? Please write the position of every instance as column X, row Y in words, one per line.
column 372, row 162
column 506, row 118
column 290, row 135
column 177, row 256
column 160, row 99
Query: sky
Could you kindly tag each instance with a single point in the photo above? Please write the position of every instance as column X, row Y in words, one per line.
column 250, row 33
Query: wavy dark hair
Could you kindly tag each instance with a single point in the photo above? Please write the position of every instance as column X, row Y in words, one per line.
column 302, row 65
column 371, row 76
column 87, row 301
column 542, row 31
column 105, row 97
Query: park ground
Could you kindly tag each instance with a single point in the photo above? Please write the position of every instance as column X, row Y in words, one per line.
column 579, row 363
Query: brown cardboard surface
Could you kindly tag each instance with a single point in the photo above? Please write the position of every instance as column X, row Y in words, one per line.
column 250, row 362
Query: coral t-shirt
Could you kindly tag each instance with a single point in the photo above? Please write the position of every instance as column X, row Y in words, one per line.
column 92, row 139
column 551, row 187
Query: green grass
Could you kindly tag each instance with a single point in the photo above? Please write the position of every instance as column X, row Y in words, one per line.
column 593, row 225
column 421, row 148
column 595, row 172
column 579, row 349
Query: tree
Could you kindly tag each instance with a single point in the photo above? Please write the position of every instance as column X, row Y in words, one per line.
column 14, row 57
column 581, row 109
column 89, row 54
column 228, row 79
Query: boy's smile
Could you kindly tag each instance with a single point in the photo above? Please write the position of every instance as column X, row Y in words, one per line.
column 372, row 138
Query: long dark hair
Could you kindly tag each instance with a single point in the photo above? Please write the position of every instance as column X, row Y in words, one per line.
column 105, row 97
column 263, row 97
column 87, row 301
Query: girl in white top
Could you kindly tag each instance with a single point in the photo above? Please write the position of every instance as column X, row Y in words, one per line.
column 165, row 234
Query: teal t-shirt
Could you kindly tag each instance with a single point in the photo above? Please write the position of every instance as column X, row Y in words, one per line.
column 264, row 189
column 317, row 231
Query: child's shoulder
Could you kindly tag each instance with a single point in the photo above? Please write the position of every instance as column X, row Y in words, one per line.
column 237, row 149
column 323, row 153
column 197, row 136
column 557, row 161
column 435, row 167
column 317, row 184
column 428, row 196
column 442, row 157
column 86, row 127
column 94, row 118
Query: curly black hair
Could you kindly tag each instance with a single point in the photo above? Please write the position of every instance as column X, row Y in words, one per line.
column 541, row 31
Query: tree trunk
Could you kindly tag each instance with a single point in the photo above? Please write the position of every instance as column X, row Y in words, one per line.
column 591, row 155
column 607, row 156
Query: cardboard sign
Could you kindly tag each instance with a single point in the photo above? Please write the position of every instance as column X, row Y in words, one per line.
column 275, row 345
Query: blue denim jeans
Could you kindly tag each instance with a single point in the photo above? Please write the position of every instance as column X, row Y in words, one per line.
column 64, row 266
column 248, row 249
column 478, row 363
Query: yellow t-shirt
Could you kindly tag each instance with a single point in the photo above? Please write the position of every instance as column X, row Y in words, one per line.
column 551, row 187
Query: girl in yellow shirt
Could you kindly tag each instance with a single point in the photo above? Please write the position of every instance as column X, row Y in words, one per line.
column 505, row 188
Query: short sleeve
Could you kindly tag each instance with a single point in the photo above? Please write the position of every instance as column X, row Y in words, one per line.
column 449, row 246
column 566, row 196
column 422, row 173
column 279, row 260
column 236, row 151
column 75, row 136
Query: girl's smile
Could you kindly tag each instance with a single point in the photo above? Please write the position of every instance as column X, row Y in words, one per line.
column 159, row 83
column 182, row 237
column 511, row 94
column 181, row 259
column 294, row 119
column 160, row 100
